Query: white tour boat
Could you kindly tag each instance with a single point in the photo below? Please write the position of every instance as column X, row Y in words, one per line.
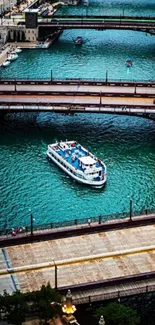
column 78, row 162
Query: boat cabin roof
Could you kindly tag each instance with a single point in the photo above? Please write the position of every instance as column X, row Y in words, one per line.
column 87, row 160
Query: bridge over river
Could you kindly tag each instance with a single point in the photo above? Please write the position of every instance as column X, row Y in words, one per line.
column 145, row 24
column 78, row 96
column 98, row 261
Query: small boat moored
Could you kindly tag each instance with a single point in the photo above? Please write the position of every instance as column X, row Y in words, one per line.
column 79, row 40
column 128, row 62
column 6, row 63
column 78, row 162
column 12, row 56
column 18, row 49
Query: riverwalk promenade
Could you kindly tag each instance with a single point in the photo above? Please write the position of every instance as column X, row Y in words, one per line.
column 96, row 261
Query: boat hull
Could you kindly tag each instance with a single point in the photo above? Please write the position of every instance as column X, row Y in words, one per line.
column 62, row 164
column 6, row 63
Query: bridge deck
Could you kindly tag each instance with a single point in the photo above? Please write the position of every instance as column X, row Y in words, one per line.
column 75, row 104
column 77, row 88
column 83, row 259
column 100, row 23
column 70, row 96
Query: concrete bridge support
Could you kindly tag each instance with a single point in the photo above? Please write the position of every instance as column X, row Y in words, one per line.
column 20, row 35
column 4, row 35
column 12, row 34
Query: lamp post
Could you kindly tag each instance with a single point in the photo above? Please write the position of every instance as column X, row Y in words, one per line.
column 106, row 76
column 100, row 98
column 130, row 209
column 51, row 75
column 55, row 275
column 31, row 222
column 15, row 85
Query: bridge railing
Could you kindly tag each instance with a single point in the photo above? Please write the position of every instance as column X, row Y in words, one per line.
column 114, row 294
column 84, row 15
column 6, row 230
column 50, row 80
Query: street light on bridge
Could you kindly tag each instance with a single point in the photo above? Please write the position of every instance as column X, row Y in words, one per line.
column 31, row 222
column 106, row 76
column 55, row 275
column 130, row 209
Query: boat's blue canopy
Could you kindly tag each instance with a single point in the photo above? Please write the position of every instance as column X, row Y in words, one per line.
column 128, row 59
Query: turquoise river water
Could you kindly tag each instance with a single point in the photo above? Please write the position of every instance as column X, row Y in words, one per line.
column 126, row 144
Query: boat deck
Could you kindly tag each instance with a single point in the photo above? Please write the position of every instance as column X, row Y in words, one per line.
column 77, row 151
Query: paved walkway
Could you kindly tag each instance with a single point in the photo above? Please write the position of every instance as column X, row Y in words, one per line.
column 81, row 259
column 76, row 103
column 101, row 90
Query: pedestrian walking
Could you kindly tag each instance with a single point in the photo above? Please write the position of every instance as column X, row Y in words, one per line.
column 89, row 221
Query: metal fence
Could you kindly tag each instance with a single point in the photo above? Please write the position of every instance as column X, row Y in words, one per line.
column 114, row 294
column 51, row 78
column 5, row 229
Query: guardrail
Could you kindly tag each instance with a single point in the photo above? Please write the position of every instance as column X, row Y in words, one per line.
column 102, row 93
column 6, row 230
column 102, row 17
column 29, row 234
column 79, row 81
column 114, row 294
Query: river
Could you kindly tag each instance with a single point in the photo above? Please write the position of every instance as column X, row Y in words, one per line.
column 126, row 144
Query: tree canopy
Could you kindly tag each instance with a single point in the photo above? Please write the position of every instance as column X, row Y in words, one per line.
column 17, row 306
column 118, row 314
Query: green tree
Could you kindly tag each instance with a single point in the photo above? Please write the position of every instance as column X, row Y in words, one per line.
column 15, row 308
column 118, row 314
column 44, row 298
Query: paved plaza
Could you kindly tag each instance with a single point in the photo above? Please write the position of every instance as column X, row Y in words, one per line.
column 79, row 259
